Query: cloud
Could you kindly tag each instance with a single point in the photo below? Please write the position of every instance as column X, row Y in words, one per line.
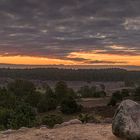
column 52, row 28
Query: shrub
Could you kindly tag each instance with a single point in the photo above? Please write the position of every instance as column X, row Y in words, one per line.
column 69, row 106
column 99, row 94
column 6, row 117
column 84, row 118
column 137, row 93
column 116, row 97
column 61, row 91
column 125, row 93
column 51, row 120
column 24, row 115
column 90, row 118
column 46, row 105
column 85, row 92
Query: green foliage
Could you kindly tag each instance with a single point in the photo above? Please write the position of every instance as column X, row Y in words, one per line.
column 21, row 87
column 24, row 115
column 137, row 93
column 90, row 118
column 6, row 117
column 71, row 93
column 69, row 106
column 48, row 101
column 61, row 91
column 124, row 93
column 33, row 98
column 7, row 100
column 99, row 94
column 87, row 92
column 51, row 120
column 116, row 97
column 85, row 118
column 46, row 104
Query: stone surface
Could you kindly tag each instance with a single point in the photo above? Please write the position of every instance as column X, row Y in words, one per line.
column 9, row 131
column 126, row 121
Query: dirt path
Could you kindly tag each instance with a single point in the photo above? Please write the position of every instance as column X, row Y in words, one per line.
column 72, row 132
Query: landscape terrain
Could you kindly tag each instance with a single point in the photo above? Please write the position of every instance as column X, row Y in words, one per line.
column 35, row 102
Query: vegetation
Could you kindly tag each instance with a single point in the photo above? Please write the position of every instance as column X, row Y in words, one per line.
column 69, row 106
column 118, row 96
column 57, row 74
column 20, row 104
column 137, row 93
column 86, row 92
column 51, row 120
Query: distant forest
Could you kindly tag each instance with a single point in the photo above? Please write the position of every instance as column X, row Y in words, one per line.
column 88, row 75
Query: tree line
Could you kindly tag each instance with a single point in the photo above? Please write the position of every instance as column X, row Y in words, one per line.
column 56, row 74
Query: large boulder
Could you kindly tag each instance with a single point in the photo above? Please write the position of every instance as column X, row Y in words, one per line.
column 126, row 121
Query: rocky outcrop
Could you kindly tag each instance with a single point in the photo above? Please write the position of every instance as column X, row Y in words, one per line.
column 71, row 122
column 126, row 121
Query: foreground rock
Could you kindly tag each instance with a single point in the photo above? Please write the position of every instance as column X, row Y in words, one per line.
column 126, row 122
column 70, row 132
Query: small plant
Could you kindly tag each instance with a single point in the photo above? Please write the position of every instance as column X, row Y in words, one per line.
column 84, row 118
column 51, row 120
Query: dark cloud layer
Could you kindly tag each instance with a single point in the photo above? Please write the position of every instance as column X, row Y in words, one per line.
column 55, row 28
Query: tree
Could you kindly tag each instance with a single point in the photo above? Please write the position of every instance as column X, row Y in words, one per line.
column 21, row 88
column 85, row 92
column 48, row 100
column 69, row 106
column 7, row 99
column 61, row 90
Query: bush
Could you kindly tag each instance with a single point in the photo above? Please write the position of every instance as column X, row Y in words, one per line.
column 51, row 120
column 90, row 118
column 24, row 115
column 99, row 94
column 85, row 92
column 125, row 93
column 116, row 97
column 69, row 106
column 46, row 105
column 84, row 118
column 6, row 117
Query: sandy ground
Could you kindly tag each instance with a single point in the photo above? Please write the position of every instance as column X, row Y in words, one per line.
column 72, row 132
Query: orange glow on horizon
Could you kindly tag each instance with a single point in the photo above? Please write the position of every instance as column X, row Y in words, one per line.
column 92, row 56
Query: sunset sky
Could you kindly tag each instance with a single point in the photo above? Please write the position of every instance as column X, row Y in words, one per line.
column 70, row 32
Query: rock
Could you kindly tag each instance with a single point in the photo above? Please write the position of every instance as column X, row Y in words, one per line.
column 126, row 121
column 65, row 124
column 75, row 121
column 43, row 128
column 9, row 131
column 23, row 129
column 57, row 126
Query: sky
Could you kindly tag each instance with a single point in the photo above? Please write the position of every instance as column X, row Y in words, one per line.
column 70, row 32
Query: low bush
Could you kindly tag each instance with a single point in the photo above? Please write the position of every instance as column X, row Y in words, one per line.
column 69, row 106
column 51, row 120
